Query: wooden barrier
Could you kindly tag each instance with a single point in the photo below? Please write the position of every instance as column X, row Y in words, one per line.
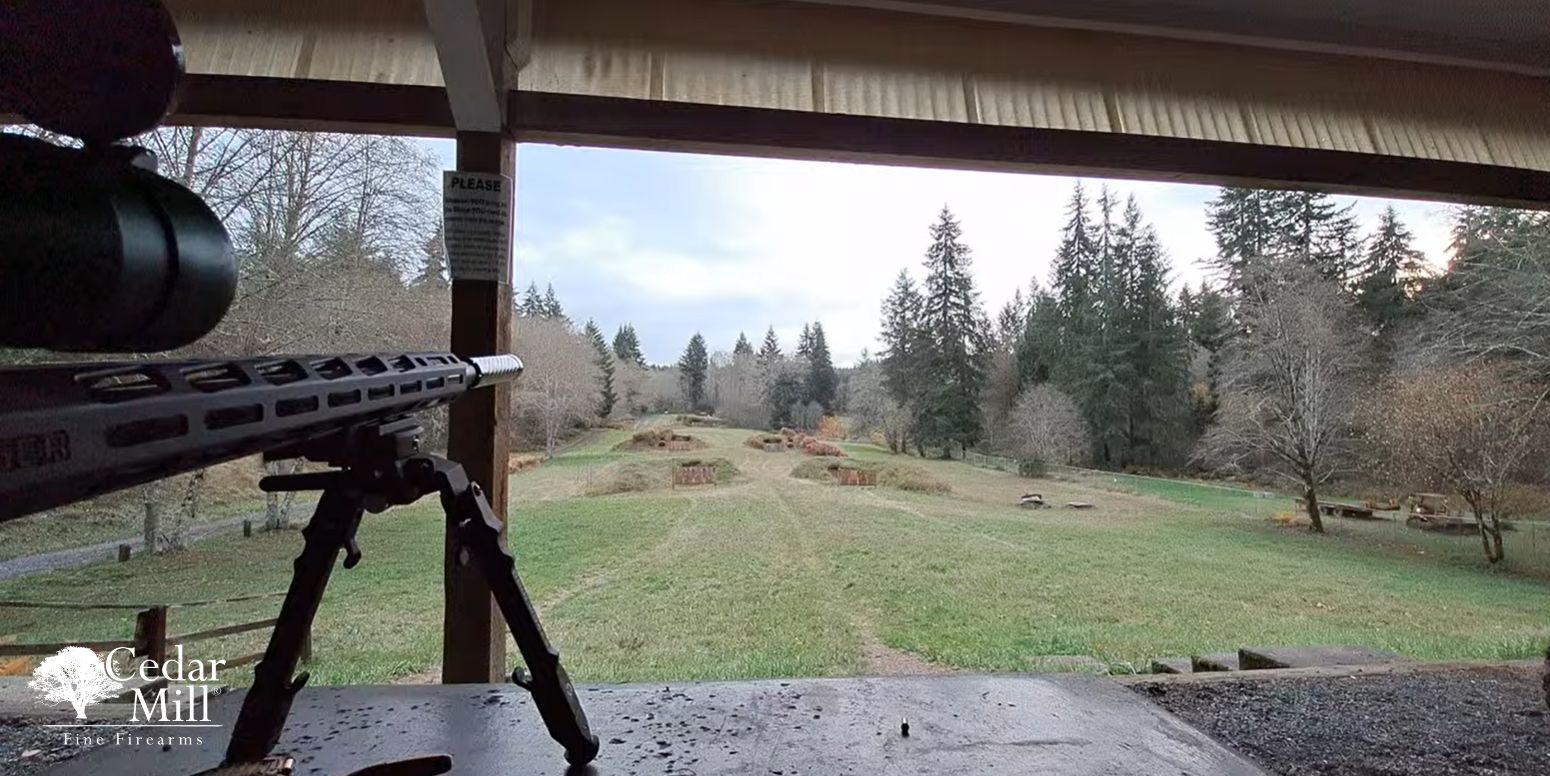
column 150, row 639
column 694, row 475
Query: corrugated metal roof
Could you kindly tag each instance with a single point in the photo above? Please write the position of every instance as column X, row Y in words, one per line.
column 861, row 61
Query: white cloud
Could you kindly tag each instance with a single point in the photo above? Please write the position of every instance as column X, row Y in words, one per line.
column 825, row 240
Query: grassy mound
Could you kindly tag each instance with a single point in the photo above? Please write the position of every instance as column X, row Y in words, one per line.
column 662, row 439
column 758, row 441
column 640, row 476
column 901, row 476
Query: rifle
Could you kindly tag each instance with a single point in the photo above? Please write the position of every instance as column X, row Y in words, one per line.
column 73, row 431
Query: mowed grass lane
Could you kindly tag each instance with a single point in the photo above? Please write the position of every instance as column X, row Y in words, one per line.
column 774, row 576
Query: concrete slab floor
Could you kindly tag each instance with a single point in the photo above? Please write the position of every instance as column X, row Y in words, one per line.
column 1051, row 724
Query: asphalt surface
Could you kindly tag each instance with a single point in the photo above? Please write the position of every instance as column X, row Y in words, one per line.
column 76, row 557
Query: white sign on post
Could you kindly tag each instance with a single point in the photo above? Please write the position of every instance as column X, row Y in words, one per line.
column 476, row 207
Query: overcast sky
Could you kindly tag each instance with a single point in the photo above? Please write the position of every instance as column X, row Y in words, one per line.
column 679, row 243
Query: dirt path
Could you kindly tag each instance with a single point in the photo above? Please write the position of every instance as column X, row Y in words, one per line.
column 29, row 565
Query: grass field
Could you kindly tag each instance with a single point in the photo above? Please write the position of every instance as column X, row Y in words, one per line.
column 770, row 575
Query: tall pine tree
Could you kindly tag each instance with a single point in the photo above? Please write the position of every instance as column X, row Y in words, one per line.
column 532, row 305
column 605, row 366
column 822, row 382
column 627, row 346
column 769, row 352
column 902, row 347
column 433, row 273
column 742, row 348
column 1248, row 224
column 1390, row 265
column 551, row 304
column 693, row 366
column 955, row 327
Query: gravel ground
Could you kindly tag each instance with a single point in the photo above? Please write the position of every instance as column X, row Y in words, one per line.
column 27, row 748
column 1465, row 722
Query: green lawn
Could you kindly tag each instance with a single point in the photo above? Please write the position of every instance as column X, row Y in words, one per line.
column 775, row 576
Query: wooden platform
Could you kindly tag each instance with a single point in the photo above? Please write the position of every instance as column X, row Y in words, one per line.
column 1069, row 725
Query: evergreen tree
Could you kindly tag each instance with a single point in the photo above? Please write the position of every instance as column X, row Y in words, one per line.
column 433, row 273
column 1248, row 225
column 769, row 353
column 822, row 382
column 627, row 346
column 1155, row 352
column 956, row 329
column 551, row 304
column 1320, row 233
column 805, row 342
column 532, row 305
column 605, row 366
column 783, row 393
column 1110, row 336
column 1011, row 321
column 1251, row 225
column 693, row 366
column 1210, row 327
column 902, row 346
column 1038, row 346
column 742, row 348
column 1391, row 263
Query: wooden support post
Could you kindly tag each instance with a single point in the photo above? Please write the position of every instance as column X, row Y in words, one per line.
column 306, row 647
column 247, row 529
column 124, row 552
column 151, row 635
column 473, row 634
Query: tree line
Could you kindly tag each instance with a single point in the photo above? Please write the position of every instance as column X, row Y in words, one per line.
column 1318, row 354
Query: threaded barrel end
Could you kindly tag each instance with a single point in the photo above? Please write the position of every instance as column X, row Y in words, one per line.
column 494, row 370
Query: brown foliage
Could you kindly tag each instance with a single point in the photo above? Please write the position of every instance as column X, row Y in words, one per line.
column 812, row 446
column 1462, row 430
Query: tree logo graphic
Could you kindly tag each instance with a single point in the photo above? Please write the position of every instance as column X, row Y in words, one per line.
column 74, row 676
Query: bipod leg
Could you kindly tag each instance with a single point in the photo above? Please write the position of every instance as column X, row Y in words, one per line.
column 470, row 516
column 268, row 703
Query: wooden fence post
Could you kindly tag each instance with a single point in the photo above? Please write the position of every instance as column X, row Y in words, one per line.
column 123, row 552
column 151, row 635
column 247, row 529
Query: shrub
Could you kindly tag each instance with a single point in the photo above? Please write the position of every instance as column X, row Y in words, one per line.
column 1031, row 467
column 816, row 447
column 830, row 427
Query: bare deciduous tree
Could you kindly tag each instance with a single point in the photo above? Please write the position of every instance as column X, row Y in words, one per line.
column 1290, row 386
column 1464, row 430
column 734, row 390
column 1046, row 425
column 558, row 388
